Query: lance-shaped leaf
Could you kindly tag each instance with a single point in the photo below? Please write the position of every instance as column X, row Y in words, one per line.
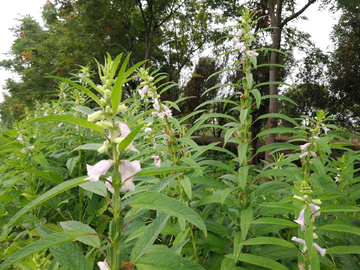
column 91, row 240
column 157, row 201
column 67, row 254
column 44, row 197
column 148, row 237
column 261, row 261
column 70, row 120
column 166, row 260
column 81, row 88
column 44, row 243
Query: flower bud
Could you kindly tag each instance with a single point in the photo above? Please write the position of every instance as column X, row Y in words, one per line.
column 299, row 198
column 107, row 95
column 104, row 147
column 94, row 116
column 121, row 108
column 118, row 140
column 316, row 201
column 104, row 124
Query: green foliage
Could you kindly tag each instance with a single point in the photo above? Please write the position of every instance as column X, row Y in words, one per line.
column 155, row 199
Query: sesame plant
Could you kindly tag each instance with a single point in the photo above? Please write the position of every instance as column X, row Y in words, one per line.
column 122, row 185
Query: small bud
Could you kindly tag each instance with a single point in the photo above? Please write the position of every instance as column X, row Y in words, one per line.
column 104, row 147
column 94, row 116
column 107, row 95
column 122, row 108
column 316, row 201
column 298, row 197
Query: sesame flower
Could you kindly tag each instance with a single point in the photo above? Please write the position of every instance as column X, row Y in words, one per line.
column 143, row 91
column 157, row 161
column 302, row 242
column 127, row 170
column 103, row 265
column 125, row 130
column 252, row 53
column 100, row 168
column 300, row 220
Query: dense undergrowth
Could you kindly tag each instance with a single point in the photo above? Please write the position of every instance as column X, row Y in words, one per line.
column 123, row 185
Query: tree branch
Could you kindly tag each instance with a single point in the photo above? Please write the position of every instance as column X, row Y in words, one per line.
column 297, row 14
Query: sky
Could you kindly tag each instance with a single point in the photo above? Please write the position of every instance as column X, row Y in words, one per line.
column 319, row 26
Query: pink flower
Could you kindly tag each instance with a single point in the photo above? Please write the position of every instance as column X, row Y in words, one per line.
column 156, row 104
column 300, row 220
column 125, row 130
column 100, row 168
column 109, row 185
column 302, row 242
column 252, row 53
column 157, row 161
column 304, row 147
column 240, row 33
column 20, row 138
column 143, row 91
column 127, row 170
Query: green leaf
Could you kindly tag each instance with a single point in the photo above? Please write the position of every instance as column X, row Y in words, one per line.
column 44, row 197
column 129, row 138
column 261, row 261
column 278, row 115
column 163, row 170
column 148, row 237
column 215, row 198
column 275, row 221
column 186, row 185
column 225, row 193
column 84, row 109
column 157, row 201
column 339, row 208
column 70, row 120
column 71, row 163
column 215, row 163
column 256, row 93
column 44, row 243
column 91, row 240
column 88, row 146
column 280, row 97
column 246, row 217
column 279, row 130
column 278, row 147
column 207, row 181
column 166, row 260
column 97, row 187
column 52, row 176
column 242, row 151
column 243, row 176
column 269, row 187
column 343, row 250
column 67, row 254
column 81, row 88
column 269, row 241
column 340, row 228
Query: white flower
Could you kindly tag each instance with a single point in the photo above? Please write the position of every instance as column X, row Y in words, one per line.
column 127, row 170
column 20, row 138
column 156, row 104
column 103, row 265
column 325, row 128
column 100, row 168
column 337, row 178
column 240, row 33
column 31, row 147
column 157, row 161
column 240, row 46
column 147, row 129
column 304, row 147
column 143, row 91
column 301, row 220
column 125, row 130
column 252, row 53
column 302, row 242
column 109, row 185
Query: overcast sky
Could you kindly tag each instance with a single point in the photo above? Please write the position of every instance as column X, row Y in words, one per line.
column 319, row 26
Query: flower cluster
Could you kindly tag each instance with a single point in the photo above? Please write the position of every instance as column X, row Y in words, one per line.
column 314, row 212
column 149, row 89
column 126, row 168
column 243, row 46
